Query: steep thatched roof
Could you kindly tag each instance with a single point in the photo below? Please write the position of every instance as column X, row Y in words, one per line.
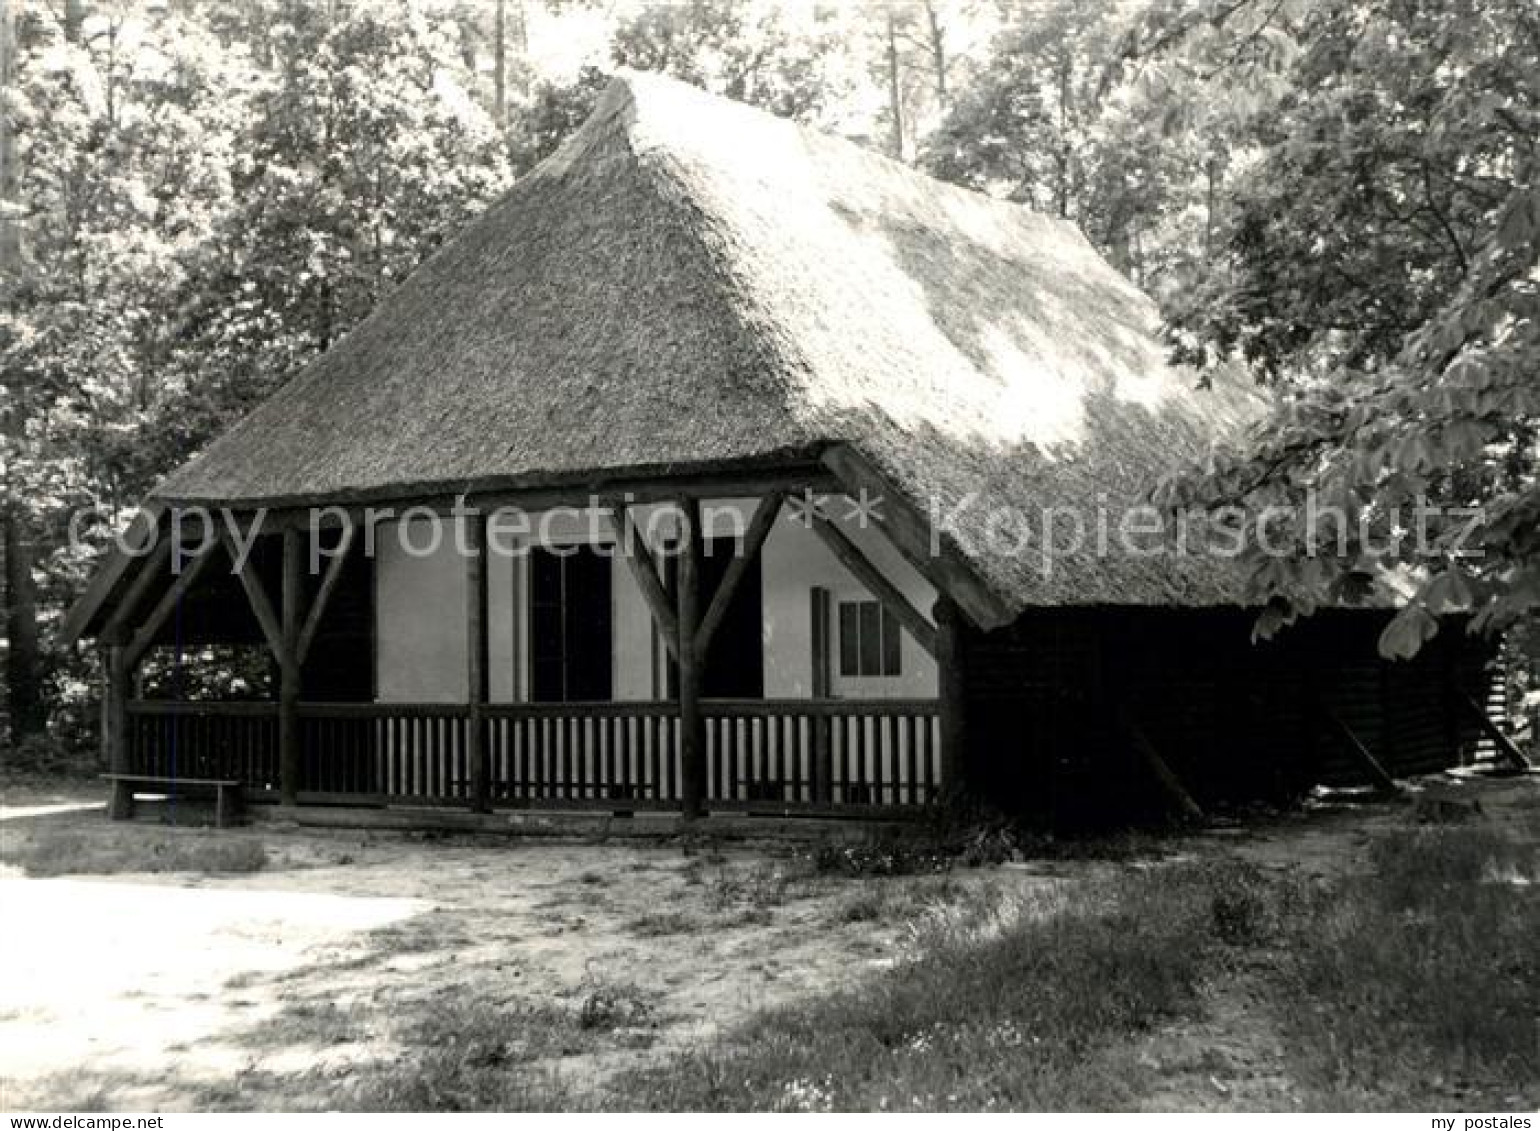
column 691, row 283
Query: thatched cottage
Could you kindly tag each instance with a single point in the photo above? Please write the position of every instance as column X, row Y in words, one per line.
column 723, row 466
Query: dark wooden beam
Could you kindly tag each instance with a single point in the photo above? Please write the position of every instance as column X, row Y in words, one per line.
column 725, row 484
column 1158, row 766
column 1355, row 746
column 1505, row 745
column 910, row 533
column 329, row 583
column 477, row 653
column 638, row 558
column 118, row 677
column 876, row 582
column 168, row 601
column 117, row 626
column 256, row 596
column 753, row 542
column 289, row 754
column 952, row 691
column 692, row 724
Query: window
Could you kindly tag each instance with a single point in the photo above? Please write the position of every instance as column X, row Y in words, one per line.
column 868, row 639
column 570, row 637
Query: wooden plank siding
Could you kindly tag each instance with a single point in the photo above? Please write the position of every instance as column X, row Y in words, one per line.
column 1237, row 723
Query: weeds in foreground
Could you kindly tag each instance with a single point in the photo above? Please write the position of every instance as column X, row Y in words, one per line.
column 609, row 1005
column 1421, row 980
column 477, row 1056
column 656, row 924
column 1027, row 1012
column 751, row 892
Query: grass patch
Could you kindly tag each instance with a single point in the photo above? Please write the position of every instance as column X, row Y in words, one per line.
column 310, row 1024
column 1420, row 980
column 750, row 893
column 656, row 924
column 475, row 1056
column 486, row 1056
column 885, row 900
column 607, row 1005
column 64, row 852
column 1030, row 1007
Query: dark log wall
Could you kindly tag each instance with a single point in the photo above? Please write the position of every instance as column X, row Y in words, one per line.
column 1051, row 700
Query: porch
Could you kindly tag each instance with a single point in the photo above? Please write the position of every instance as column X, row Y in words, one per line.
column 698, row 648
column 767, row 757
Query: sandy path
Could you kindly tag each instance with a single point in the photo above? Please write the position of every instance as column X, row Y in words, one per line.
column 245, row 991
column 179, row 991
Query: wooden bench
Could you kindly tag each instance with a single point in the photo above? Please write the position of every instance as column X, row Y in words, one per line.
column 228, row 801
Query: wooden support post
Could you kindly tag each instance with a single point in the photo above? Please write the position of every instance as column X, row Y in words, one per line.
column 115, row 657
column 477, row 649
column 952, row 689
column 692, row 727
column 1382, row 780
column 1505, row 745
column 289, row 668
column 822, row 769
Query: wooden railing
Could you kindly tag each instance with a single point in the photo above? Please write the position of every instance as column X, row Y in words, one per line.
column 397, row 752
column 205, row 740
column 792, row 755
column 607, row 755
column 802, row 753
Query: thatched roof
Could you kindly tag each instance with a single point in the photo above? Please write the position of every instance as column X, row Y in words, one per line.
column 690, row 283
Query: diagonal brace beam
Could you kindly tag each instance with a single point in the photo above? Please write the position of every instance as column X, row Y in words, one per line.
column 257, row 596
column 876, row 582
column 168, row 601
column 753, row 541
column 323, row 595
column 638, row 558
column 149, row 570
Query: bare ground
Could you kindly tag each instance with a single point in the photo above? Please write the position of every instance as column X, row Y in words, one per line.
column 183, row 991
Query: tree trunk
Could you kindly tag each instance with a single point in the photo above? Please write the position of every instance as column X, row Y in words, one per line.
column 74, row 19
column 24, row 675
column 23, row 668
column 895, row 89
column 1064, row 148
column 937, row 38
column 1211, row 172
column 500, row 64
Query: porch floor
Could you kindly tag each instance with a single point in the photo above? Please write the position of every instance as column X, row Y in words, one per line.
column 644, row 825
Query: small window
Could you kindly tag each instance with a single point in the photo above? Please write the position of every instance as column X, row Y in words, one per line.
column 868, row 639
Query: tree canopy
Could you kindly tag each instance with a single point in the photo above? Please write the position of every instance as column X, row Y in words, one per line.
column 1378, row 266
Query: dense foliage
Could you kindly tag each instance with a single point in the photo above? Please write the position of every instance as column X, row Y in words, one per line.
column 200, row 196
column 1381, row 265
